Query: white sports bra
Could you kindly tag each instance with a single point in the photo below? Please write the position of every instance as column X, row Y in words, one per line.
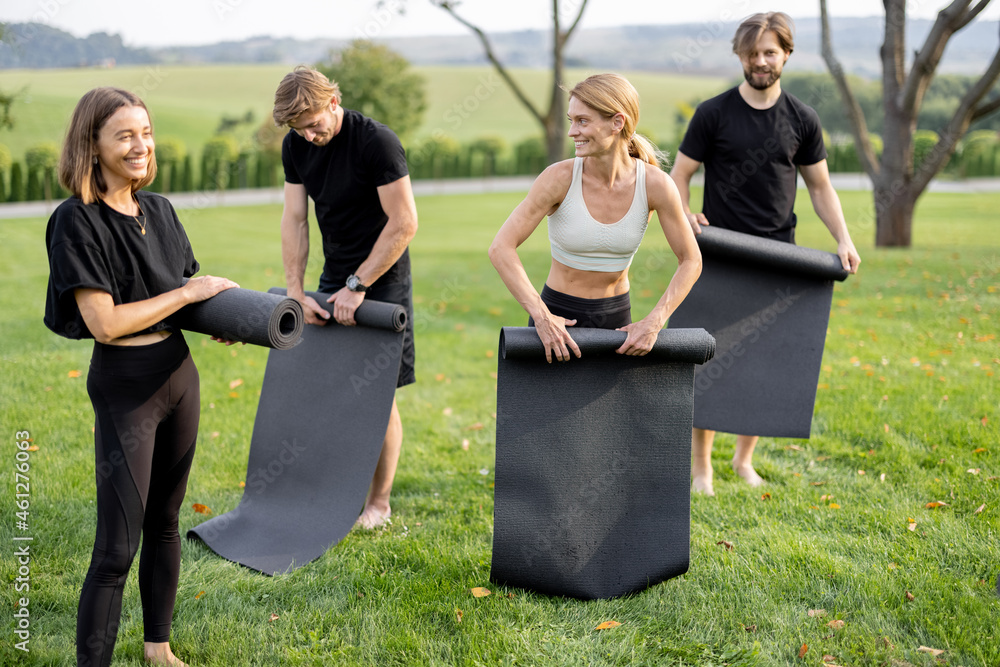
column 581, row 242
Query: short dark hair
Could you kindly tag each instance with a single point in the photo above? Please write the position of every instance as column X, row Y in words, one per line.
column 77, row 170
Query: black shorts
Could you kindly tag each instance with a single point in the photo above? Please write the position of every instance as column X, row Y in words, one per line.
column 400, row 294
column 609, row 313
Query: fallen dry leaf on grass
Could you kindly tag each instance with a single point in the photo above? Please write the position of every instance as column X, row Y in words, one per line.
column 933, row 651
column 979, row 450
column 458, row 615
column 478, row 426
column 235, row 383
column 32, row 448
column 911, row 527
column 465, row 443
column 73, row 374
column 909, row 596
column 816, row 613
column 607, row 624
column 980, row 508
column 728, row 545
column 803, row 651
column 480, row 592
column 973, row 471
column 198, row 596
column 766, row 496
column 837, row 624
column 749, row 628
column 201, row 509
column 834, row 506
column 274, row 617
column 829, row 658
column 935, row 504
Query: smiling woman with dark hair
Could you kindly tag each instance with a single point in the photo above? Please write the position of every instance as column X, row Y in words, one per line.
column 118, row 258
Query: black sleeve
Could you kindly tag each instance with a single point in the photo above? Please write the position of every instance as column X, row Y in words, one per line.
column 384, row 156
column 697, row 143
column 190, row 264
column 75, row 257
column 291, row 173
column 812, row 149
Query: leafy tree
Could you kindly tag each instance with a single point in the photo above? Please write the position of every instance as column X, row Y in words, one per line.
column 5, row 161
column 7, row 98
column 897, row 183
column 379, row 83
column 219, row 152
column 490, row 146
column 42, row 160
column 553, row 121
column 169, row 152
column 17, row 189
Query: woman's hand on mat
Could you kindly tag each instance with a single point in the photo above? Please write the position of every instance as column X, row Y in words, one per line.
column 313, row 312
column 345, row 302
column 205, row 287
column 641, row 338
column 556, row 340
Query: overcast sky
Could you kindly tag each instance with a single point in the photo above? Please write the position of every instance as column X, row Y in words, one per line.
column 176, row 22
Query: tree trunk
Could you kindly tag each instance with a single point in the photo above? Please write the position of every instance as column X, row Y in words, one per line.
column 894, row 206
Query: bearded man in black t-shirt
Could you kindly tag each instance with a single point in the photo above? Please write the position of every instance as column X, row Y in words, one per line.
column 354, row 169
column 752, row 139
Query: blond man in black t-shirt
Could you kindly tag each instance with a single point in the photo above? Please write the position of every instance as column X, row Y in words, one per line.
column 354, row 169
column 753, row 140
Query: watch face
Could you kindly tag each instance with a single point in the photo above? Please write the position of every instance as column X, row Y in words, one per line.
column 352, row 282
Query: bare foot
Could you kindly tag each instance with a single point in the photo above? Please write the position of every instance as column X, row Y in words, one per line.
column 748, row 474
column 159, row 653
column 373, row 517
column 702, row 484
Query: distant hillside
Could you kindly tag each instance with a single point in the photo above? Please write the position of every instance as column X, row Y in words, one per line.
column 688, row 48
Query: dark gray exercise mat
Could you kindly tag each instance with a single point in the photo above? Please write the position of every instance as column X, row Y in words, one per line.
column 320, row 423
column 593, row 463
column 768, row 305
column 245, row 316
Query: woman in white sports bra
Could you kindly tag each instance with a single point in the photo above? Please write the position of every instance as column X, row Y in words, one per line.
column 598, row 205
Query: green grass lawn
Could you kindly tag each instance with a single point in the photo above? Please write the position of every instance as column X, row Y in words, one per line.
column 187, row 102
column 908, row 390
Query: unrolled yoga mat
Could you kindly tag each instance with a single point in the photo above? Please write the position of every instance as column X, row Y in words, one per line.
column 320, row 423
column 593, row 461
column 768, row 305
column 245, row 316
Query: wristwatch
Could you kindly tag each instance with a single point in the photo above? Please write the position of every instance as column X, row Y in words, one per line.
column 354, row 284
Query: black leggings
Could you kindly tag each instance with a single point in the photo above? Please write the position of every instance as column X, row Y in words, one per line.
column 609, row 313
column 147, row 403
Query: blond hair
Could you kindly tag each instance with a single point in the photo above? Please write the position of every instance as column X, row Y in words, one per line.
column 611, row 94
column 754, row 27
column 302, row 90
column 77, row 170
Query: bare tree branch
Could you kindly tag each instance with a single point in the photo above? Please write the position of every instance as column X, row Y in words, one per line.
column 972, row 14
column 959, row 123
column 450, row 8
column 893, row 50
column 859, row 127
column 579, row 15
column 984, row 110
column 927, row 59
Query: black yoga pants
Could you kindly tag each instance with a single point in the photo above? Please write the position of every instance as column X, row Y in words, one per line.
column 146, row 404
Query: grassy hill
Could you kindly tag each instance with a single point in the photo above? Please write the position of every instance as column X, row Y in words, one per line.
column 188, row 101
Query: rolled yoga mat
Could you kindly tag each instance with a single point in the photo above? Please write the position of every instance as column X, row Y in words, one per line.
column 245, row 316
column 320, row 423
column 593, row 463
column 768, row 305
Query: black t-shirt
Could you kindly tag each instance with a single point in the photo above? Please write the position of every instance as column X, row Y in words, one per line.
column 93, row 245
column 342, row 178
column 750, row 157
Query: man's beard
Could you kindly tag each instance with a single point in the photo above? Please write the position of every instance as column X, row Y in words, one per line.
column 761, row 85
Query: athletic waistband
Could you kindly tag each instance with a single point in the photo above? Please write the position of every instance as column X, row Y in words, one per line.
column 138, row 360
column 611, row 304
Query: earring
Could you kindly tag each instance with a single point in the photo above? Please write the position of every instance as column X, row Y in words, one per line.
column 95, row 159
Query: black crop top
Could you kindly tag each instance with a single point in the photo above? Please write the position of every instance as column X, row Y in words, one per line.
column 93, row 245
